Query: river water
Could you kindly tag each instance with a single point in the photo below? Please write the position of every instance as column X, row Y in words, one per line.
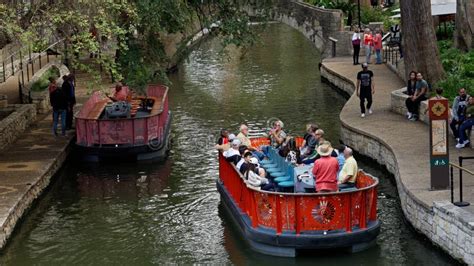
column 141, row 214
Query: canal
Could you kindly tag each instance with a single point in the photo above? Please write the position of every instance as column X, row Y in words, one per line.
column 140, row 214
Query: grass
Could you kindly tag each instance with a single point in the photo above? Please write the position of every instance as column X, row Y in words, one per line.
column 459, row 67
column 42, row 83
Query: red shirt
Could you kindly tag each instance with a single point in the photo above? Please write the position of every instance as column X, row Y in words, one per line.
column 368, row 40
column 120, row 95
column 325, row 172
column 52, row 87
column 378, row 41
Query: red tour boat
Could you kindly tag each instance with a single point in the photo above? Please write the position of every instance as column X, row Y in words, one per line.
column 136, row 129
column 283, row 224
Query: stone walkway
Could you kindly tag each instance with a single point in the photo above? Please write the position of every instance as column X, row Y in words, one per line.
column 27, row 166
column 409, row 140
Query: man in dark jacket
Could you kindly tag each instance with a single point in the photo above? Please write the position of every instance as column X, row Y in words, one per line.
column 69, row 89
column 59, row 101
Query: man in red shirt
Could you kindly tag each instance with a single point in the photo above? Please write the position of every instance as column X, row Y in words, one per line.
column 325, row 169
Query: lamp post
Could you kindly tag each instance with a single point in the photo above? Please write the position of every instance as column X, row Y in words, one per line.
column 358, row 9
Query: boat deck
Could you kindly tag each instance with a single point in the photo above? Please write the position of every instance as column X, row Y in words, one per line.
column 98, row 109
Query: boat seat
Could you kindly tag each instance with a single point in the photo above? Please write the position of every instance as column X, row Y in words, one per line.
column 282, row 179
column 286, row 184
column 279, row 174
column 348, row 189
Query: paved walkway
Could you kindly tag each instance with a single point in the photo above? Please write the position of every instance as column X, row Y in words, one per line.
column 408, row 140
column 27, row 166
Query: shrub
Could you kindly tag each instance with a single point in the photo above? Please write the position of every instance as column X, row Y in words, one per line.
column 43, row 82
column 459, row 69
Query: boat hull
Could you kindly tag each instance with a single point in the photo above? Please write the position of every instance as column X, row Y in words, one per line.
column 128, row 153
column 288, row 244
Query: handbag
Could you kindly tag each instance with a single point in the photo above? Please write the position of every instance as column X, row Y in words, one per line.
column 356, row 42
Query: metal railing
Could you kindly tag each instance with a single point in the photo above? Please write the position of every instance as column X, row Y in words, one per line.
column 392, row 55
column 461, row 169
column 333, row 46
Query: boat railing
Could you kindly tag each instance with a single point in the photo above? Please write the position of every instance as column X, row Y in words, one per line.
column 91, row 131
column 300, row 213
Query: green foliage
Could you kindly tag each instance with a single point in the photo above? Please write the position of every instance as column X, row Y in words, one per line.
column 445, row 31
column 459, row 67
column 42, row 83
column 137, row 29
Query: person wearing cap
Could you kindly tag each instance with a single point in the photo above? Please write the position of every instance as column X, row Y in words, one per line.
column 365, row 88
column 277, row 135
column 233, row 155
column 348, row 174
column 325, row 169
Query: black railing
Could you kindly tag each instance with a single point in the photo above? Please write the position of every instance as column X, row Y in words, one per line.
column 461, row 169
column 392, row 55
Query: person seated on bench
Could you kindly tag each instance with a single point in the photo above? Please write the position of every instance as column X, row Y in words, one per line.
column 255, row 176
column 348, row 174
column 466, row 125
column 233, row 155
column 310, row 140
column 325, row 169
column 120, row 94
column 311, row 155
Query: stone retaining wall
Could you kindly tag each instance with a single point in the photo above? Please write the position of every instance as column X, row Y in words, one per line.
column 34, row 191
column 16, row 123
column 317, row 24
column 443, row 223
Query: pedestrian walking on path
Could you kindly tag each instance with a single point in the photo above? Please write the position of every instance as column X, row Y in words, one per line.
column 365, row 89
column 378, row 47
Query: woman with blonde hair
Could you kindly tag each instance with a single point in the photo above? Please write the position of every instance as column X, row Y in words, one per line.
column 368, row 43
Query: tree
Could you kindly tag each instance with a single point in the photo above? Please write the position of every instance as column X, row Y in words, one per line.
column 135, row 27
column 420, row 49
column 464, row 36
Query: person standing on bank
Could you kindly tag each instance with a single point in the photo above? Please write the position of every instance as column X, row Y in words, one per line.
column 368, row 43
column 378, row 47
column 413, row 104
column 356, row 46
column 69, row 89
column 365, row 89
column 59, row 101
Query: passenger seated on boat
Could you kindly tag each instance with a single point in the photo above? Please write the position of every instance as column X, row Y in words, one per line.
column 310, row 140
column 348, row 174
column 224, row 138
column 312, row 155
column 225, row 146
column 243, row 137
column 325, row 169
column 233, row 155
column 277, row 135
column 119, row 95
column 290, row 151
column 340, row 157
column 257, row 180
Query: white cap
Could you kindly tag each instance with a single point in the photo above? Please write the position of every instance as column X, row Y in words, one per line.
column 231, row 137
column 254, row 160
column 235, row 142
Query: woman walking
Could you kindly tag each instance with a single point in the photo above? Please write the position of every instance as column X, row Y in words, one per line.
column 356, row 46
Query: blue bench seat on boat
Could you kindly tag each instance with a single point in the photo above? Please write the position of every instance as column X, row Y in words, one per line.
column 277, row 167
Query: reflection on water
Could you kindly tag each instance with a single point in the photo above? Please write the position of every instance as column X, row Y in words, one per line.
column 141, row 214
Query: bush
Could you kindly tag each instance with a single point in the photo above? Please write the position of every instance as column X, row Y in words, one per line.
column 459, row 69
column 43, row 82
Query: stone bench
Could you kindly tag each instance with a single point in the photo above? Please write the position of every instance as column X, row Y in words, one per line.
column 398, row 98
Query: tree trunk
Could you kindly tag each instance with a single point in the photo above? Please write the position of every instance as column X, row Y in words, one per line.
column 420, row 50
column 464, row 36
